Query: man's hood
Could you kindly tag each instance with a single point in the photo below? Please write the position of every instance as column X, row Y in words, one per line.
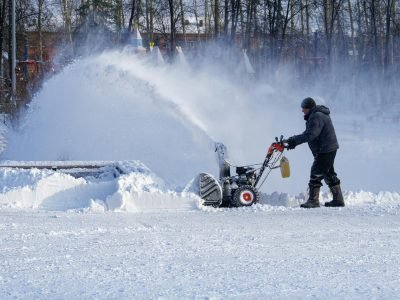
column 323, row 109
column 318, row 108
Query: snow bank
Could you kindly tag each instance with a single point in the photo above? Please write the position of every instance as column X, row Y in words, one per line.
column 42, row 189
column 142, row 190
column 351, row 198
column 137, row 190
column 363, row 197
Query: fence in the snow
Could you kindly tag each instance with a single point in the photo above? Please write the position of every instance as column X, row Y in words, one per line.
column 73, row 168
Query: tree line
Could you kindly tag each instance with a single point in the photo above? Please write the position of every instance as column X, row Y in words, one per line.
column 363, row 33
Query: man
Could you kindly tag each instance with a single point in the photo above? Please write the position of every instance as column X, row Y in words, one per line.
column 321, row 138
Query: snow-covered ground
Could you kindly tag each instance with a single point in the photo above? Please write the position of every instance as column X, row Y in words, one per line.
column 253, row 253
column 132, row 237
column 137, row 230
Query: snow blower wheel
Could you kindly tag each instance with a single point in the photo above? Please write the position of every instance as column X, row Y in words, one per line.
column 245, row 195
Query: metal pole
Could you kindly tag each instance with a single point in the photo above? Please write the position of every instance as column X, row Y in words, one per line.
column 13, row 52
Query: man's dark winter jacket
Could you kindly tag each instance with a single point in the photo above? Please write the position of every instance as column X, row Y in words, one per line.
column 319, row 134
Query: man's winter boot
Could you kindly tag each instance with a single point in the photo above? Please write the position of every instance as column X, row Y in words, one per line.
column 313, row 198
column 338, row 200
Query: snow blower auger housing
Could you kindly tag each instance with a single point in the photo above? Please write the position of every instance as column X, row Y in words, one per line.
column 242, row 188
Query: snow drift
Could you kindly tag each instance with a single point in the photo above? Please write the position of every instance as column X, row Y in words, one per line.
column 138, row 189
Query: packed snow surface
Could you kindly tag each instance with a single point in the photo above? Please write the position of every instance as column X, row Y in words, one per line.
column 262, row 252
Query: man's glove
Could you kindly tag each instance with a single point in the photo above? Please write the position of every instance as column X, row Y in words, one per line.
column 291, row 144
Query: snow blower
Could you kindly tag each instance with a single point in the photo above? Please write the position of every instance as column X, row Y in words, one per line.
column 242, row 188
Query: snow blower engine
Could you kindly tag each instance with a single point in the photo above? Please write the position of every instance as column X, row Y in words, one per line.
column 241, row 189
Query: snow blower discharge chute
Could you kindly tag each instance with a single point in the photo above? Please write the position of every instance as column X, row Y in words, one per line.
column 241, row 189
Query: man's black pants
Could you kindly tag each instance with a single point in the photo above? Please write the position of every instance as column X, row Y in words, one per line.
column 322, row 168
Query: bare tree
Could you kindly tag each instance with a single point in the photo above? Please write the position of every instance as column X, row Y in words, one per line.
column 216, row 17
column 2, row 33
column 66, row 14
column 172, row 7
column 389, row 16
column 331, row 9
column 182, row 13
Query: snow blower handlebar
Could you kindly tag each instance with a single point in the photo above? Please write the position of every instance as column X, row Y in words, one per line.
column 278, row 146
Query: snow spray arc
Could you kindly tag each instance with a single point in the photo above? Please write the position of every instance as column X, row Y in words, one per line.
column 115, row 106
column 97, row 109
